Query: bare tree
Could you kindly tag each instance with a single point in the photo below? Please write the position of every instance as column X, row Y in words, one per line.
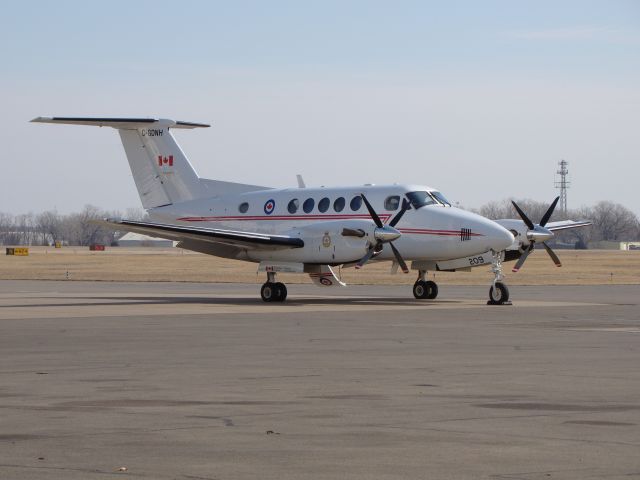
column 613, row 221
column 7, row 229
column 48, row 225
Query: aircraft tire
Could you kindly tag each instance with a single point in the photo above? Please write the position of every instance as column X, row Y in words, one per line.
column 281, row 290
column 269, row 292
column 499, row 294
column 420, row 289
column 432, row 289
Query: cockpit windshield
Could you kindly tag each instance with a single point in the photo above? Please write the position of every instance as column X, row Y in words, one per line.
column 421, row 199
column 441, row 198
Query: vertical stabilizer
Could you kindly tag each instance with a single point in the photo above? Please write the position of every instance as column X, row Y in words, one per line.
column 161, row 171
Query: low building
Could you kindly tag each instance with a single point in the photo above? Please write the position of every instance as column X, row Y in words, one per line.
column 610, row 245
column 132, row 239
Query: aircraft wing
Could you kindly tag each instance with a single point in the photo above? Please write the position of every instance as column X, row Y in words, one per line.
column 566, row 225
column 187, row 234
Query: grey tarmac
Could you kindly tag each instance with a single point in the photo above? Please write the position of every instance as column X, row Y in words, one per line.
column 205, row 381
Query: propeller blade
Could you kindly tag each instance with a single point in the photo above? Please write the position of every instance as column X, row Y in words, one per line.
column 521, row 260
column 350, row 232
column 524, row 217
column 549, row 212
column 399, row 258
column 372, row 212
column 405, row 206
column 394, row 268
column 552, row 254
column 366, row 258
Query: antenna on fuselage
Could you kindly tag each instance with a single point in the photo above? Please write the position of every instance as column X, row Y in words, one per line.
column 300, row 181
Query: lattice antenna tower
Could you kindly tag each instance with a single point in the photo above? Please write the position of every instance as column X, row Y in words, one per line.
column 563, row 184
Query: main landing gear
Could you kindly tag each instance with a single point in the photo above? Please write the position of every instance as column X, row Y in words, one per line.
column 498, row 293
column 424, row 288
column 273, row 291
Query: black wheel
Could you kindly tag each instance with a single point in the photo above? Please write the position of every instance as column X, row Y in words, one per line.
column 432, row 289
column 269, row 292
column 281, row 291
column 420, row 289
column 498, row 293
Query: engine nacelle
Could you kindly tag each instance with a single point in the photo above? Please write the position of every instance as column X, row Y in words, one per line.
column 328, row 243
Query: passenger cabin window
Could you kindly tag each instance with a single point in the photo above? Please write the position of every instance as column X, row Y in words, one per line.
column 356, row 203
column 338, row 204
column 420, row 199
column 392, row 203
column 323, row 205
column 308, row 204
column 293, row 205
column 243, row 207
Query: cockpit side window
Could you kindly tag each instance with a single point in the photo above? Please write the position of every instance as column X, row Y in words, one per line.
column 421, row 199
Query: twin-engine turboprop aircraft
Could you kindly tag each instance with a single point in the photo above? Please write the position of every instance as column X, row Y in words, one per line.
column 304, row 230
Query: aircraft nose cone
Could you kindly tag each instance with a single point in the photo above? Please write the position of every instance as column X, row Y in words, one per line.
column 501, row 238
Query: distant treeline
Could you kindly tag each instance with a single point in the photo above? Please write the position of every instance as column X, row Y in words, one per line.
column 611, row 221
column 49, row 227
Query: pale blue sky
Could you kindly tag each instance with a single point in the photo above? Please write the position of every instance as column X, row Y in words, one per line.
column 479, row 99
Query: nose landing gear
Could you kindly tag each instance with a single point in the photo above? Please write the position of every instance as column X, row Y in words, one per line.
column 273, row 291
column 498, row 293
column 424, row 288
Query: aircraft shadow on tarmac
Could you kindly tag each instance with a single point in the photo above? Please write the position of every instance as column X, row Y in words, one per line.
column 101, row 301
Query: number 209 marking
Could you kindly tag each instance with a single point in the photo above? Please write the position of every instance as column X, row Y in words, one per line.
column 476, row 261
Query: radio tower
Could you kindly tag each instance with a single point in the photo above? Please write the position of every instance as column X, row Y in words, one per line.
column 563, row 185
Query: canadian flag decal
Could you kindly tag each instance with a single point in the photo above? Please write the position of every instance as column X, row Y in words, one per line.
column 165, row 161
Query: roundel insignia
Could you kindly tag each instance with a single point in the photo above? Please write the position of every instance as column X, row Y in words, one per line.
column 269, row 206
column 326, row 281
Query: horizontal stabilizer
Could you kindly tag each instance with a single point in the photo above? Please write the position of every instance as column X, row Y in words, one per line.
column 120, row 123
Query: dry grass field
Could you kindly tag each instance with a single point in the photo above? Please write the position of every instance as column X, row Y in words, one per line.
column 580, row 267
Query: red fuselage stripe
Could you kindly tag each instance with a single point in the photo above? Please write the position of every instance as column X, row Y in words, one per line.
column 384, row 218
column 279, row 217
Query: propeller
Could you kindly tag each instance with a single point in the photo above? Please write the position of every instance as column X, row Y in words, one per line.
column 537, row 233
column 382, row 234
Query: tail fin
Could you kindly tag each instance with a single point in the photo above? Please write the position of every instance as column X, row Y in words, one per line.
column 162, row 172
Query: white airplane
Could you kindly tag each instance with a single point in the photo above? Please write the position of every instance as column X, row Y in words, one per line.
column 306, row 230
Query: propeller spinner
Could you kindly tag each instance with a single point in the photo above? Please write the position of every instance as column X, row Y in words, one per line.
column 537, row 233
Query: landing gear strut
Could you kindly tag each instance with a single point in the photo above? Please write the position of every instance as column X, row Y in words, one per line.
column 424, row 288
column 498, row 293
column 273, row 291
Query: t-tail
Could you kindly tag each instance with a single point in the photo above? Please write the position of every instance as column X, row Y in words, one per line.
column 161, row 171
